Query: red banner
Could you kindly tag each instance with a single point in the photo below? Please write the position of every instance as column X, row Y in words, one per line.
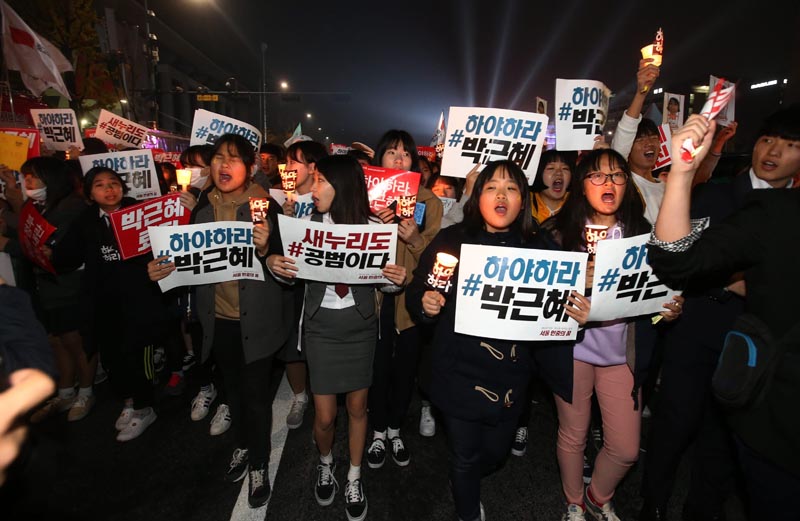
column 386, row 185
column 130, row 223
column 31, row 134
column 34, row 231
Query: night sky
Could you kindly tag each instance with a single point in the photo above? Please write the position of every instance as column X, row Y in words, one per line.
column 403, row 63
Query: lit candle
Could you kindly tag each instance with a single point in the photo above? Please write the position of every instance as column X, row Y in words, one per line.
column 289, row 181
column 184, row 177
column 649, row 52
column 593, row 234
column 442, row 271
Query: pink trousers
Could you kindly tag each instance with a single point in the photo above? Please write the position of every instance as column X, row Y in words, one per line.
column 621, row 428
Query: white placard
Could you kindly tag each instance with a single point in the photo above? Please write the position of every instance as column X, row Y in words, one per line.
column 207, row 253
column 624, row 284
column 303, row 204
column 476, row 136
column 346, row 253
column 136, row 167
column 517, row 294
column 580, row 112
column 208, row 126
column 118, row 131
column 59, row 128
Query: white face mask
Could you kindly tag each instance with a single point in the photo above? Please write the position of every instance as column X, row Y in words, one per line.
column 198, row 181
column 38, row 194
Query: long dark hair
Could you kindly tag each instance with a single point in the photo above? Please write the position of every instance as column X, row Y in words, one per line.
column 55, row 176
column 350, row 204
column 391, row 140
column 569, row 223
column 473, row 219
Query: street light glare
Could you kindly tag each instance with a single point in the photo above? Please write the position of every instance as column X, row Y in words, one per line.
column 284, row 85
column 308, row 115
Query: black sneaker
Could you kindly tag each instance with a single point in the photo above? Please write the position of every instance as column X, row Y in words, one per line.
column 326, row 487
column 520, row 445
column 237, row 467
column 355, row 501
column 188, row 361
column 376, row 454
column 400, row 454
column 258, row 486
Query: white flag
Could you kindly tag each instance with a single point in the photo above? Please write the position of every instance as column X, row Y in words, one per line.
column 39, row 62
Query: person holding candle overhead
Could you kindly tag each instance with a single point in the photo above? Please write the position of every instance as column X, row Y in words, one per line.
column 600, row 361
column 340, row 325
column 480, row 425
column 244, row 322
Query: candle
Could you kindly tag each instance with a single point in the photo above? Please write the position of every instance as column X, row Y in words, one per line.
column 594, row 233
column 289, row 181
column 442, row 271
column 258, row 209
column 649, row 52
column 184, row 177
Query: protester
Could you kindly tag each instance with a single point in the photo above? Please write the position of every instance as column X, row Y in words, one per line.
column 244, row 322
column 340, row 326
column 397, row 353
column 57, row 296
column 599, row 361
column 550, row 188
column 480, row 427
column 688, row 413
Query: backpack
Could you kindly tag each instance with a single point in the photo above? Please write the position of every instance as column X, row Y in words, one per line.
column 747, row 363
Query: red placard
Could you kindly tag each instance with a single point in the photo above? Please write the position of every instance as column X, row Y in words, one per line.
column 34, row 231
column 386, row 185
column 428, row 153
column 31, row 134
column 130, row 223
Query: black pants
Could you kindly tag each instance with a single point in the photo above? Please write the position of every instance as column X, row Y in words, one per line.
column 772, row 491
column 476, row 450
column 248, row 390
column 686, row 414
column 394, row 372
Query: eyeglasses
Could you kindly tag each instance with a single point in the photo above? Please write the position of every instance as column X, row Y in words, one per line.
column 599, row 178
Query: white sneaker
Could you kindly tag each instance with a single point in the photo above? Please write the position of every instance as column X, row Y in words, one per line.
column 221, row 421
column 427, row 423
column 137, row 425
column 574, row 513
column 124, row 418
column 295, row 417
column 202, row 403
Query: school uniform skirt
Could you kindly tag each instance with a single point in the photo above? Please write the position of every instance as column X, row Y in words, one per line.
column 340, row 347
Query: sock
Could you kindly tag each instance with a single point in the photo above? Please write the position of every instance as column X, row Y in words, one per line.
column 301, row 397
column 85, row 391
column 354, row 473
column 379, row 435
column 591, row 498
column 66, row 393
column 393, row 433
column 328, row 459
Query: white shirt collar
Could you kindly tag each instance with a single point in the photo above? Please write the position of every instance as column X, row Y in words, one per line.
column 758, row 183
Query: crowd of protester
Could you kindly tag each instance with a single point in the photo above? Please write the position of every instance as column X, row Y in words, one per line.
column 366, row 341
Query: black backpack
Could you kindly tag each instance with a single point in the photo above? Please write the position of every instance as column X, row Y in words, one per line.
column 747, row 363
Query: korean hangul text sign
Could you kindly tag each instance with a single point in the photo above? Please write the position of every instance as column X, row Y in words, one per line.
column 130, row 224
column 136, row 167
column 428, row 153
column 208, row 126
column 624, row 284
column 346, row 253
column 207, row 253
column 664, row 143
column 34, row 231
column 58, row 128
column 477, row 136
column 386, row 185
column 303, row 204
column 581, row 110
column 31, row 134
column 162, row 156
column 517, row 294
column 337, row 149
column 116, row 130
